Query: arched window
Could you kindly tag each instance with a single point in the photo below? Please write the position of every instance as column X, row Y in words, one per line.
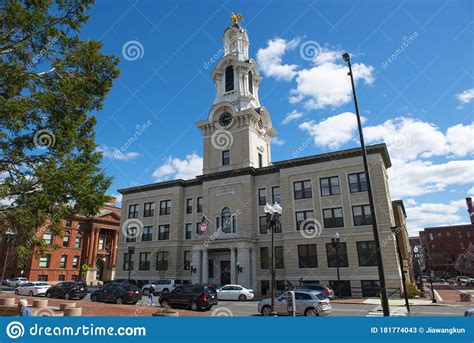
column 226, row 220
column 250, row 82
column 229, row 79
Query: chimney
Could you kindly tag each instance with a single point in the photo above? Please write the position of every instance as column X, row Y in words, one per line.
column 469, row 209
column 112, row 201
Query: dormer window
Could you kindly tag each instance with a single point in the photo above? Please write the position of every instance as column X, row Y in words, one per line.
column 229, row 78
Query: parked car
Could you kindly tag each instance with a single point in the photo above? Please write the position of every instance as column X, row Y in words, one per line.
column 192, row 296
column 137, row 283
column 308, row 303
column 32, row 288
column 469, row 313
column 68, row 290
column 17, row 281
column 324, row 290
column 119, row 293
column 161, row 286
column 5, row 282
column 452, row 280
column 234, row 292
column 465, row 280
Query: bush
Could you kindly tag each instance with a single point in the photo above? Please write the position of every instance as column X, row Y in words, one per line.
column 412, row 291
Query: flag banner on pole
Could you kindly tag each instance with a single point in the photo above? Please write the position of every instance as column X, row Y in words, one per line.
column 203, row 225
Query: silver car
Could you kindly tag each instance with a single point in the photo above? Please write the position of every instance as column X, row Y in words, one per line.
column 308, row 303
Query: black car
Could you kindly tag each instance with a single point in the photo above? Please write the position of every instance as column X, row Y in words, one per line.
column 119, row 293
column 68, row 290
column 137, row 283
column 194, row 296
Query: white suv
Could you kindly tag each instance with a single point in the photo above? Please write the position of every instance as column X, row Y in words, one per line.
column 17, row 281
column 161, row 286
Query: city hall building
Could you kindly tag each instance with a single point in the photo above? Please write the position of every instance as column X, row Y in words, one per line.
column 321, row 195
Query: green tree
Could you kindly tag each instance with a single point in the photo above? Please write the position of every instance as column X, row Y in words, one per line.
column 50, row 82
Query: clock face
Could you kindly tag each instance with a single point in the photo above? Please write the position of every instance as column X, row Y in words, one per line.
column 225, row 119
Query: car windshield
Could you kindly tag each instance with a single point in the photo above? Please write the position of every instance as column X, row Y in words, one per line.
column 320, row 296
column 163, row 282
column 41, row 284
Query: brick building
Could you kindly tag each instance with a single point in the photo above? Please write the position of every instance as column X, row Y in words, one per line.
column 87, row 251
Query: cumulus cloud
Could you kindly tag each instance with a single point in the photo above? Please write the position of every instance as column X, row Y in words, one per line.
column 116, row 154
column 270, row 62
column 277, row 141
column 466, row 96
column 175, row 168
column 293, row 115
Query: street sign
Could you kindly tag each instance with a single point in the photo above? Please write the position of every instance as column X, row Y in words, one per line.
column 85, row 267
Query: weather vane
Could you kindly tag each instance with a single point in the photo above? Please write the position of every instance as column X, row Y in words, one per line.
column 236, row 17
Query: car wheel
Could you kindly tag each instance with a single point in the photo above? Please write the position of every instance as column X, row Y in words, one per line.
column 266, row 311
column 119, row 301
column 165, row 291
column 194, row 306
column 94, row 298
column 48, row 295
column 31, row 293
column 311, row 312
column 242, row 297
column 67, row 296
column 17, row 292
column 164, row 303
column 145, row 291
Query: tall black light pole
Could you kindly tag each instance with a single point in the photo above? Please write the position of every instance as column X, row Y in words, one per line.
column 383, row 288
column 428, row 266
column 396, row 232
column 273, row 213
column 10, row 236
column 335, row 244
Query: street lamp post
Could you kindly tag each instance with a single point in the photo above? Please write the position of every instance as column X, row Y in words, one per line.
column 428, row 265
column 131, row 251
column 10, row 236
column 383, row 288
column 273, row 217
column 335, row 244
column 396, row 232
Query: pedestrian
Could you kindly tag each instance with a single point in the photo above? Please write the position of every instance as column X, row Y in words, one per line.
column 151, row 290
column 23, row 308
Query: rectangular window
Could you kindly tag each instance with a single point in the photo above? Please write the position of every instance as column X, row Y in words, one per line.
column 75, row 262
column 333, row 257
column 263, row 225
column 165, row 207
column 77, row 242
column 333, row 217
column 44, row 261
column 187, row 260
column 260, row 160
column 61, row 278
column 276, row 194
column 47, row 238
column 301, row 218
column 262, row 196
column 370, row 288
column 147, row 234
column 264, row 287
column 189, row 206
column 329, row 186
column 43, row 277
column 361, row 215
column 357, row 182
column 199, row 205
column 342, row 288
column 127, row 261
column 163, row 232
column 188, row 231
column 162, row 260
column 66, row 241
column 101, row 243
column 302, row 189
column 264, row 258
column 63, row 261
column 144, row 262
column 307, row 256
column 279, row 258
column 225, row 157
column 133, row 211
column 367, row 253
column 68, row 223
column 149, row 209
column 131, row 234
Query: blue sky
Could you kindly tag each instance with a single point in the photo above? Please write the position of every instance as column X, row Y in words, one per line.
column 413, row 66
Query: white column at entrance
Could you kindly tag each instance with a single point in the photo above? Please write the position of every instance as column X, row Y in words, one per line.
column 233, row 279
column 196, row 264
column 205, row 267
column 243, row 257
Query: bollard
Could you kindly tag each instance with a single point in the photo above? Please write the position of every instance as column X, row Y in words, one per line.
column 66, row 305
column 7, row 301
column 40, row 303
column 73, row 312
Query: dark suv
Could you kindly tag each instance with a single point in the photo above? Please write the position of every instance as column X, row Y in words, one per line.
column 119, row 293
column 68, row 290
column 194, row 296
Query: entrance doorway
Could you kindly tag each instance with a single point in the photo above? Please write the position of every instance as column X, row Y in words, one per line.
column 225, row 272
column 100, row 270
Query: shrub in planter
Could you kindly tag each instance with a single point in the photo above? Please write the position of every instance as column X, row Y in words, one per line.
column 412, row 291
column 166, row 312
column 465, row 297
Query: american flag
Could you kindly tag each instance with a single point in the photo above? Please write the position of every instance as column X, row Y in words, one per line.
column 203, row 226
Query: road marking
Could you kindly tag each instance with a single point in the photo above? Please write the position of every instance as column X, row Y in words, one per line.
column 437, row 295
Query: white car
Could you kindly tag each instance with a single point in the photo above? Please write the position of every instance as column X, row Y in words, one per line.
column 17, row 281
column 234, row 292
column 32, row 288
column 161, row 286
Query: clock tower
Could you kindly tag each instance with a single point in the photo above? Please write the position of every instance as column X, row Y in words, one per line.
column 238, row 130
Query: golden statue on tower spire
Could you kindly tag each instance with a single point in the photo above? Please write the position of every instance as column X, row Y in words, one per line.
column 234, row 18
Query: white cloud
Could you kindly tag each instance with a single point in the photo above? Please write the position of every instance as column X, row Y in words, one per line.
column 175, row 168
column 293, row 115
column 116, row 154
column 270, row 59
column 277, row 141
column 333, row 131
column 470, row 191
column 466, row 96
column 460, row 139
column 411, row 202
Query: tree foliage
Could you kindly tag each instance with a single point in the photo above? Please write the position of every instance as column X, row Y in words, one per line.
column 50, row 82
column 465, row 261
